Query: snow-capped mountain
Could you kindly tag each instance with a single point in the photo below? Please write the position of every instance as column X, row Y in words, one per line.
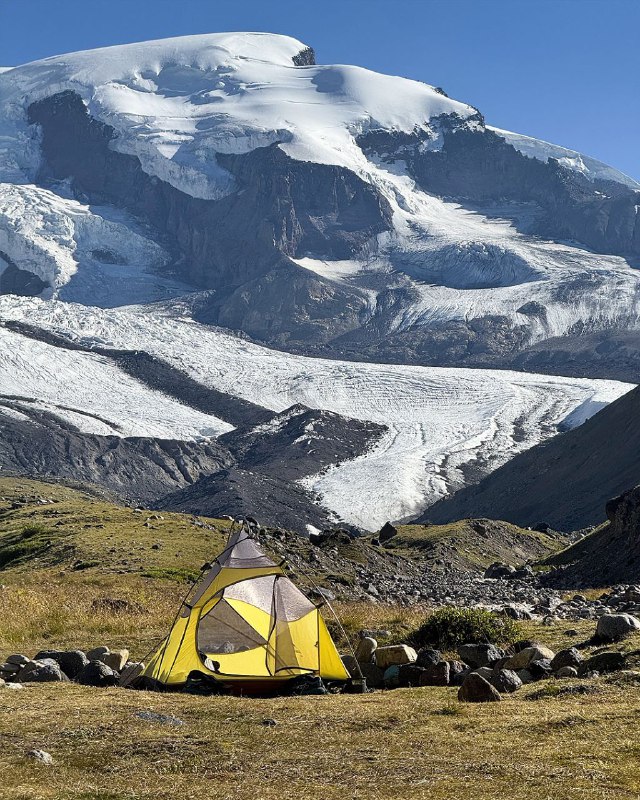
column 154, row 195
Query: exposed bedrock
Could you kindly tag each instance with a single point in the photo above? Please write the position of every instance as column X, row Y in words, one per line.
column 281, row 207
column 40, row 444
column 479, row 166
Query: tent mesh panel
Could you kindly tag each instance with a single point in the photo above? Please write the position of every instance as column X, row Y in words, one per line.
column 223, row 630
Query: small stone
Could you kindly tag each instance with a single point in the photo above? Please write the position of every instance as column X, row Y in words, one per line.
column 42, row 756
column 395, row 654
column 366, row 648
column 505, row 681
column 475, row 689
column 162, row 719
column 567, row 672
column 269, row 723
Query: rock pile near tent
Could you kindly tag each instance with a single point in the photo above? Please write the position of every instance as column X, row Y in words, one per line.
column 97, row 667
column 484, row 672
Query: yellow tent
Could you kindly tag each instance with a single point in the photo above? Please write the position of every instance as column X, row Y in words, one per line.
column 246, row 624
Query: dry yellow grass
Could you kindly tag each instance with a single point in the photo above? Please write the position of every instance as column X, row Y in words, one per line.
column 414, row 743
column 405, row 744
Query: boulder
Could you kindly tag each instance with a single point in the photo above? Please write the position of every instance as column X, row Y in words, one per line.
column 116, row 659
column 540, row 668
column 525, row 676
column 505, row 681
column 436, row 674
column 365, row 649
column 613, row 627
column 395, row 654
column 391, row 677
column 7, row 670
column 72, row 662
column 602, row 662
column 98, row 653
column 455, row 668
column 427, row 657
column 566, row 658
column 522, row 659
column 373, row 675
column 46, row 671
column 499, row 570
column 567, row 672
column 388, row 531
column 98, row 674
column 479, row 655
column 409, row 675
column 475, row 689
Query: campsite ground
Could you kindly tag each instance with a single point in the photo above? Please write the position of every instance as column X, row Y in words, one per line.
column 410, row 743
column 407, row 743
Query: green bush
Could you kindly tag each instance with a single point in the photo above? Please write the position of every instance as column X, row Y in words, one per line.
column 449, row 627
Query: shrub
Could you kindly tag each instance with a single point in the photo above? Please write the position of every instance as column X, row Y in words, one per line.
column 449, row 627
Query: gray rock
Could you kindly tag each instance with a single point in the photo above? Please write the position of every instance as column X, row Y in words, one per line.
column 427, row 657
column 409, row 675
column 18, row 658
column 525, row 676
column 395, row 654
column 162, row 719
column 613, row 627
column 499, row 570
column 46, row 671
column 98, row 653
column 351, row 665
column 522, row 659
column 475, row 689
column 42, row 756
column 566, row 658
column 505, row 681
column 602, row 662
column 116, row 659
column 567, row 672
column 71, row 662
column 479, row 655
column 436, row 674
column 540, row 668
column 456, row 668
column 365, row 649
column 95, row 673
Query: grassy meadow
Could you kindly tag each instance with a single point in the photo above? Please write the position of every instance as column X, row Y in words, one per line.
column 60, row 582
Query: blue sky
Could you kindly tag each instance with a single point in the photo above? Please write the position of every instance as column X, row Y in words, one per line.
column 561, row 70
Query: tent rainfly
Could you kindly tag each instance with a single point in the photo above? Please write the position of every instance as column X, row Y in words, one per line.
column 246, row 625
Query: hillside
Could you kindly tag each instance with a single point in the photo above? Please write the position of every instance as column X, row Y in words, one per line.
column 565, row 481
